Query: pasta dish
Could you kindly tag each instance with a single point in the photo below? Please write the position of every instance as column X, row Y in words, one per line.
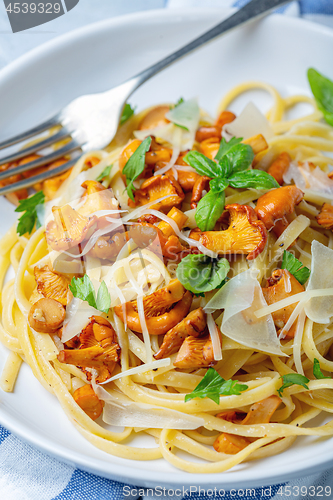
column 179, row 283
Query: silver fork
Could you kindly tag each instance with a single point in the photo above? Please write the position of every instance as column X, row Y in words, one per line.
column 91, row 121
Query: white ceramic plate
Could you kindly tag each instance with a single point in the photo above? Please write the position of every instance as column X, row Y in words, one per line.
column 277, row 50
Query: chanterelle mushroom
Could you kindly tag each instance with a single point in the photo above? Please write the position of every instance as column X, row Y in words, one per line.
column 195, row 353
column 163, row 309
column 156, row 187
column 86, row 398
column 97, row 198
column 274, row 207
column 245, row 235
column 68, row 229
column 46, row 315
column 52, row 285
column 325, row 217
column 193, row 325
column 281, row 285
column 98, row 350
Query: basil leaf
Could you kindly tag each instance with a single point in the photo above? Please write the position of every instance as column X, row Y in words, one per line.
column 202, row 164
column 213, row 386
column 225, row 146
column 295, row 267
column 135, row 165
column 82, row 288
column 218, row 184
column 200, row 273
column 322, row 89
column 28, row 220
column 256, row 179
column 241, row 157
column 209, row 210
column 128, row 111
column 105, row 173
column 224, row 167
column 293, row 379
column 317, row 371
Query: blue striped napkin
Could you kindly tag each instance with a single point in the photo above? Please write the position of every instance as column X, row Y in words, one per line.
column 28, row 474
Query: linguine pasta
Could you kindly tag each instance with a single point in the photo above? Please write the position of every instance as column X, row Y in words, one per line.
column 129, row 355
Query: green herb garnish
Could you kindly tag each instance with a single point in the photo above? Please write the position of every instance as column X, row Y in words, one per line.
column 105, row 173
column 295, row 267
column 317, row 371
column 322, row 89
column 231, row 168
column 213, row 386
column 293, row 379
column 135, row 165
column 128, row 111
column 82, row 288
column 200, row 273
column 28, row 220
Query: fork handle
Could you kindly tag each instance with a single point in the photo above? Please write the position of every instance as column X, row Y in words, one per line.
column 252, row 10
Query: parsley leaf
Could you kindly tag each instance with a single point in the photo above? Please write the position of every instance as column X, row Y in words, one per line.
column 295, row 267
column 82, row 288
column 322, row 89
column 128, row 111
column 200, row 273
column 317, row 371
column 256, row 179
column 213, row 386
column 293, row 379
column 135, row 165
column 209, row 210
column 105, row 173
column 28, row 220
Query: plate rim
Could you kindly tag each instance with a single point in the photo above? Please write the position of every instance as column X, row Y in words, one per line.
column 98, row 466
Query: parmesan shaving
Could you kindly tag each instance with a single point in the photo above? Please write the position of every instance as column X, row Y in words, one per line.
column 249, row 123
column 154, row 365
column 240, row 298
column 124, row 412
column 318, row 309
column 77, row 317
column 215, row 337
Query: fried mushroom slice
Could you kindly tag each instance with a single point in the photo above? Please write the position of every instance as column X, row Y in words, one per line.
column 86, row 398
column 195, row 353
column 156, row 187
column 245, row 235
column 325, row 217
column 193, row 325
column 281, row 285
column 52, row 285
column 274, row 207
column 68, row 229
column 46, row 315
